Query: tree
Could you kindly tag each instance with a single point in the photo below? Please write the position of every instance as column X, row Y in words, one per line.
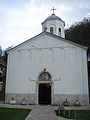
column 80, row 32
column 0, row 51
column 3, row 58
column 4, row 54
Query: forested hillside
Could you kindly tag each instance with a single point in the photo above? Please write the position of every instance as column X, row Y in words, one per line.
column 80, row 33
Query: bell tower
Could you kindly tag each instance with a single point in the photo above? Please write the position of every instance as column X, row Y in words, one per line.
column 54, row 25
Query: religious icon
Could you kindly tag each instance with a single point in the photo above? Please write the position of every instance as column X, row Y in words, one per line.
column 45, row 76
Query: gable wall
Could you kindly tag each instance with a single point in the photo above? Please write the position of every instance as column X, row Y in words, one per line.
column 65, row 62
column 43, row 41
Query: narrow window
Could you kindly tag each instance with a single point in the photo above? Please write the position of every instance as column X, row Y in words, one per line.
column 88, row 56
column 51, row 30
column 1, row 69
column 59, row 31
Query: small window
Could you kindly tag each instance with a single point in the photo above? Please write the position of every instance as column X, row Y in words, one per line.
column 88, row 56
column 51, row 30
column 1, row 69
column 59, row 31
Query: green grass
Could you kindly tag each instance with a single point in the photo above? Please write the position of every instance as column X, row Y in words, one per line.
column 78, row 114
column 13, row 113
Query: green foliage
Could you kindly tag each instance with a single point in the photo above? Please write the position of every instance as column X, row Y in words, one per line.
column 13, row 113
column 79, row 33
column 0, row 51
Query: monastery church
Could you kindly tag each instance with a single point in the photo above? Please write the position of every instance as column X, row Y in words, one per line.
column 47, row 69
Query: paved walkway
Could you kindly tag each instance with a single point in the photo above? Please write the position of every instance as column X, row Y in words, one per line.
column 44, row 113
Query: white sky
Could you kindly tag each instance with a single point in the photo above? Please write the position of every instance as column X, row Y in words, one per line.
column 21, row 19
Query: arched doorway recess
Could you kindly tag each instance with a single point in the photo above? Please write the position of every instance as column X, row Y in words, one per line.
column 45, row 88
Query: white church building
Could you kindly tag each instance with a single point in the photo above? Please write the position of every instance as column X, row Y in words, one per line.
column 47, row 69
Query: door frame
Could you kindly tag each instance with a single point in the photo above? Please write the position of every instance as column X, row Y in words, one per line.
column 42, row 87
column 37, row 90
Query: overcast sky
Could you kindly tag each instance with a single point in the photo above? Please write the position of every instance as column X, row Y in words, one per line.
column 21, row 19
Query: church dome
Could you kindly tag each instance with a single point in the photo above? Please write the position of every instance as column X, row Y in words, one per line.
column 54, row 25
column 53, row 17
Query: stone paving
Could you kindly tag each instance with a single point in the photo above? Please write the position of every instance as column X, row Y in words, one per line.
column 44, row 113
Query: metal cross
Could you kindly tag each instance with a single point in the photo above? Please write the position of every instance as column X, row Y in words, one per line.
column 53, row 9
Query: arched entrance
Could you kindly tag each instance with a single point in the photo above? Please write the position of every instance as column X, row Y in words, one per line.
column 44, row 91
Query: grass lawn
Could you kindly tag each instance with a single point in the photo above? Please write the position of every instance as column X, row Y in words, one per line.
column 78, row 114
column 13, row 113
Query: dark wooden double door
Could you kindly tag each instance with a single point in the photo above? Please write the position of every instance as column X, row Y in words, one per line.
column 44, row 94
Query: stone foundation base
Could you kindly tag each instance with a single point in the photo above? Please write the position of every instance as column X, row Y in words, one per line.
column 56, row 100
column 59, row 99
column 19, row 98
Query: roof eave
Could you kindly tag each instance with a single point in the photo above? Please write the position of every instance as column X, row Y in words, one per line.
column 25, row 41
column 68, row 40
column 51, row 20
column 47, row 33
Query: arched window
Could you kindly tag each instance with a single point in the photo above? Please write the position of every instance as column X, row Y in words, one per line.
column 59, row 31
column 51, row 30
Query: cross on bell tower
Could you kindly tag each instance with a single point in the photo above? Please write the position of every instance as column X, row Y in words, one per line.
column 54, row 24
column 53, row 9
